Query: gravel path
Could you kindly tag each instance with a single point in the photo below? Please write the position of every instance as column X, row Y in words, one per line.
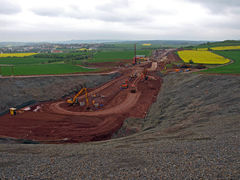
column 187, row 134
column 216, row 158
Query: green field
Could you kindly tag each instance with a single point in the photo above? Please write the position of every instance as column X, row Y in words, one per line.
column 62, row 63
column 24, row 60
column 43, row 69
column 110, row 56
column 216, row 44
column 233, row 68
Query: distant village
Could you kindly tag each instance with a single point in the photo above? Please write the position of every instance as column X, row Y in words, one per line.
column 49, row 48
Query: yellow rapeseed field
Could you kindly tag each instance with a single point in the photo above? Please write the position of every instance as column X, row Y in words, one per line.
column 226, row 48
column 17, row 54
column 202, row 57
column 146, row 44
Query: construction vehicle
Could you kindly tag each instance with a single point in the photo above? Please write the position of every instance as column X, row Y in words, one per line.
column 124, row 85
column 134, row 62
column 144, row 75
column 132, row 76
column 133, row 88
column 75, row 100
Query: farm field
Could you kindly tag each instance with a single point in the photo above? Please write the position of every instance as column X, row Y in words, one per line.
column 219, row 48
column 111, row 56
column 202, row 57
column 24, row 60
column 40, row 69
column 63, row 63
column 17, row 54
column 202, row 49
column 222, row 48
column 233, row 68
column 40, row 64
column 219, row 44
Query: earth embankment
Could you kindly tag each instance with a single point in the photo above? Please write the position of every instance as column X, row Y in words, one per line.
column 189, row 102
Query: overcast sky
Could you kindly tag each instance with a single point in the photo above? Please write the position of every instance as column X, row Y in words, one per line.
column 55, row 20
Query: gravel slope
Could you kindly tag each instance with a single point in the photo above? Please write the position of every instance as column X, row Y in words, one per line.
column 191, row 132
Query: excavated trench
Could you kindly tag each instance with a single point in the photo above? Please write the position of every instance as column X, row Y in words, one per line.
column 57, row 122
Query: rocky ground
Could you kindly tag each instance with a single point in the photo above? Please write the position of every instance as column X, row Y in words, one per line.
column 190, row 132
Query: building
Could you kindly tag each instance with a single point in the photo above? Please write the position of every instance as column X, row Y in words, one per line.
column 56, row 51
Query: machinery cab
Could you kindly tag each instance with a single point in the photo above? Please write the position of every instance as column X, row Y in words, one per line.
column 75, row 98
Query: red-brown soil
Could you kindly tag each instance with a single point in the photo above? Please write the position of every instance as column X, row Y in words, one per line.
column 173, row 57
column 57, row 122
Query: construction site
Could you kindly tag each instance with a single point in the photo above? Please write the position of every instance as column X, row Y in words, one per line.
column 146, row 119
column 92, row 114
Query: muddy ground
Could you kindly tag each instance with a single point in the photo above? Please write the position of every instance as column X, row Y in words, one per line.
column 17, row 91
column 190, row 132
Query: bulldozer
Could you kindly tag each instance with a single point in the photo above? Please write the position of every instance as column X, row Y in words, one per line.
column 75, row 100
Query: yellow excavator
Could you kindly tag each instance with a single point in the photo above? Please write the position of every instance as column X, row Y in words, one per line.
column 74, row 100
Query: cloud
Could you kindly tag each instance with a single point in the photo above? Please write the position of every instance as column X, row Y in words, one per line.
column 50, row 12
column 119, row 19
column 65, row 35
column 219, row 6
column 7, row 7
column 108, row 12
column 113, row 5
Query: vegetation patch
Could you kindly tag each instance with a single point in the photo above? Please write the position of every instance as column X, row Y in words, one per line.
column 111, row 56
column 233, row 68
column 39, row 69
column 24, row 60
column 217, row 44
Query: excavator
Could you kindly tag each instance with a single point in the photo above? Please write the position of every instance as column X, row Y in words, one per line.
column 144, row 75
column 133, row 88
column 75, row 101
column 124, row 85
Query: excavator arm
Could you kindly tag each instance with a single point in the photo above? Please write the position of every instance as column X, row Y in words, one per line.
column 77, row 95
